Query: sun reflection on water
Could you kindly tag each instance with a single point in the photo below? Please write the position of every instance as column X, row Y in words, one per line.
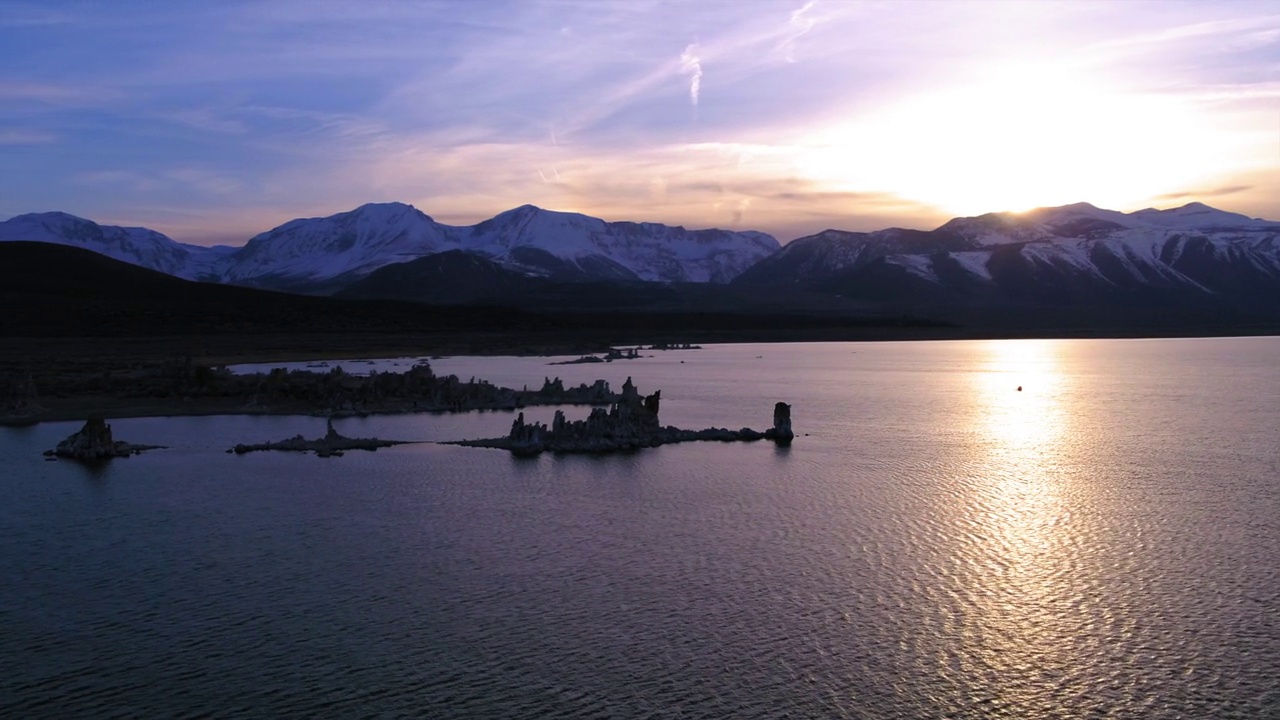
column 1018, row 511
column 1018, row 393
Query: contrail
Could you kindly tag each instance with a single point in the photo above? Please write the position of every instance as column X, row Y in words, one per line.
column 689, row 63
column 799, row 26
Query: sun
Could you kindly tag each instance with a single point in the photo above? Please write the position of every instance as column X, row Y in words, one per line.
column 1016, row 138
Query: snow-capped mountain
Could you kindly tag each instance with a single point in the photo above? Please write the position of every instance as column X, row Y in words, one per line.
column 527, row 239
column 1063, row 256
column 135, row 245
column 355, row 243
column 816, row 257
column 1058, row 254
column 626, row 250
column 332, row 251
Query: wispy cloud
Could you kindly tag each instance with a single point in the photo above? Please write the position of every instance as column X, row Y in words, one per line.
column 29, row 15
column 1213, row 192
column 54, row 92
column 26, row 136
column 692, row 66
column 809, row 114
column 800, row 23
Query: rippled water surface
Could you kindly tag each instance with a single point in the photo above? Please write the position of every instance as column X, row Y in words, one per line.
column 1103, row 543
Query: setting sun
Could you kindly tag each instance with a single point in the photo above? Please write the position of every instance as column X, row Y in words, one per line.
column 1018, row 138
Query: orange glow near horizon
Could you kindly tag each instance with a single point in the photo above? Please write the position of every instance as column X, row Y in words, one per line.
column 1024, row 137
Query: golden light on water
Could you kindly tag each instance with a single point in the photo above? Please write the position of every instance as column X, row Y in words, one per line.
column 1019, row 399
column 1018, row 393
column 1021, row 501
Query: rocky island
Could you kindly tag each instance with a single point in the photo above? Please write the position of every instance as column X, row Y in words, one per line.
column 628, row 424
column 94, row 443
column 613, row 354
column 333, row 444
column 339, row 394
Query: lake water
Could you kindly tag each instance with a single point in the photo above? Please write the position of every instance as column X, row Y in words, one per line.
column 1103, row 543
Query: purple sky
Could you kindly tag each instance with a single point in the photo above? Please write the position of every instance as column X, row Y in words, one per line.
column 213, row 121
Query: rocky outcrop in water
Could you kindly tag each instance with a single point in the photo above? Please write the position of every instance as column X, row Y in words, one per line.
column 332, row 444
column 613, row 354
column 628, row 424
column 337, row 394
column 94, row 443
column 181, row 387
column 584, row 360
column 782, row 433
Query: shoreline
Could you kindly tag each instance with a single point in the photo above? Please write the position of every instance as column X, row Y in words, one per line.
column 215, row 350
column 67, row 367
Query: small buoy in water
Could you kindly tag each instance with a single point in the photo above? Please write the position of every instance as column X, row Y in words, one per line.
column 1019, row 388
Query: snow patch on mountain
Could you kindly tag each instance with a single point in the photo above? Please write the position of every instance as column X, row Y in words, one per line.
column 974, row 262
column 919, row 265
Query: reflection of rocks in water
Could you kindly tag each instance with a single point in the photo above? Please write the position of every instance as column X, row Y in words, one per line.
column 93, row 443
column 332, row 444
column 23, row 403
column 628, row 424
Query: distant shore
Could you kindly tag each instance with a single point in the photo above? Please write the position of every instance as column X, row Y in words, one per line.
column 267, row 348
column 64, row 369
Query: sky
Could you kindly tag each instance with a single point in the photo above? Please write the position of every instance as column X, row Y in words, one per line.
column 214, row 121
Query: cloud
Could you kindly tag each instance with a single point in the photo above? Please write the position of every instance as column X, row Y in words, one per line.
column 208, row 120
column 306, row 108
column 26, row 136
column 799, row 24
column 1206, row 193
column 1249, row 31
column 118, row 181
column 16, row 15
column 54, row 93
column 692, row 66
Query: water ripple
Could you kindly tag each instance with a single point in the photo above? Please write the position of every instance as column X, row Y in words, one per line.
column 939, row 546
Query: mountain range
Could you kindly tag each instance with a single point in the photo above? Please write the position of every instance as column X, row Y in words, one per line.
column 1062, row 262
column 1070, row 254
column 324, row 254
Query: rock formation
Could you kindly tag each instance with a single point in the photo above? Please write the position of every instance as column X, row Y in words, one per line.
column 782, row 433
column 332, row 444
column 182, row 385
column 339, row 394
column 93, row 443
column 613, row 354
column 584, row 360
column 629, row 424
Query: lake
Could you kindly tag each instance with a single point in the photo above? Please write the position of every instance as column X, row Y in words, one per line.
column 1103, row 542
